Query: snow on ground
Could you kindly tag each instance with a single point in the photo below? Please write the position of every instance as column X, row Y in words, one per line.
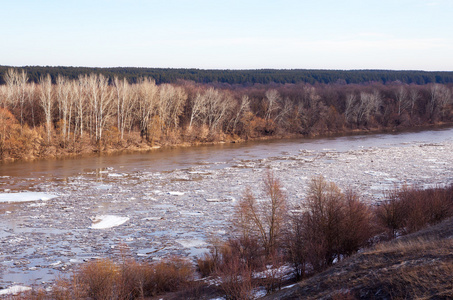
column 107, row 221
column 25, row 197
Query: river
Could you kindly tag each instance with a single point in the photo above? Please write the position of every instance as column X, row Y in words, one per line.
column 175, row 201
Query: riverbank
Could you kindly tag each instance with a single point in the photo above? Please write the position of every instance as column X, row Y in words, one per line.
column 135, row 144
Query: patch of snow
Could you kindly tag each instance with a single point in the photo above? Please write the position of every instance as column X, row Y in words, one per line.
column 25, row 197
column 289, row 286
column 14, row 290
column 107, row 221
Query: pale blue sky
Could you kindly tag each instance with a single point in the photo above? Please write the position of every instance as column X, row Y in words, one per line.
column 236, row 34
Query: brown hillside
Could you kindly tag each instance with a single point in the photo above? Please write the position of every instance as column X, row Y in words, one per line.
column 416, row 266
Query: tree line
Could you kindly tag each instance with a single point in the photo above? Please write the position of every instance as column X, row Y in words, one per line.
column 69, row 115
column 241, row 77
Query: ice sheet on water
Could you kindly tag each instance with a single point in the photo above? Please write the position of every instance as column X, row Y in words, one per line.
column 107, row 221
column 176, row 193
column 25, row 197
column 115, row 175
column 189, row 243
column 15, row 289
column 104, row 186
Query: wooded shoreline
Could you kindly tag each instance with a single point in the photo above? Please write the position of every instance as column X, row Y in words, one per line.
column 65, row 117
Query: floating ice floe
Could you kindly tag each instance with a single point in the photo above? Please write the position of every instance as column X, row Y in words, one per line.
column 104, row 186
column 191, row 213
column 190, row 243
column 176, row 193
column 25, row 197
column 116, row 175
column 107, row 221
column 15, row 289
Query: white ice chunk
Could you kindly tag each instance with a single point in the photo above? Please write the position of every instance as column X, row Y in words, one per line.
column 15, row 289
column 189, row 243
column 104, row 186
column 176, row 193
column 115, row 175
column 25, row 196
column 107, row 221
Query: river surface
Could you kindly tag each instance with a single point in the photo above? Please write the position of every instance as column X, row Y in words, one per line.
column 220, row 155
column 175, row 201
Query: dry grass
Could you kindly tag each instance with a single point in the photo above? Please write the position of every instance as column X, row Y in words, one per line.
column 416, row 267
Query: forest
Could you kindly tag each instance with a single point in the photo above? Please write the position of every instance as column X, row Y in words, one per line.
column 70, row 114
column 240, row 77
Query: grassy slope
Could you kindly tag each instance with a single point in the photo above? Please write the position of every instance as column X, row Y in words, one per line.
column 416, row 266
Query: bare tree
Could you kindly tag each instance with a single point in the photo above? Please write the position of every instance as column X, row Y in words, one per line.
column 47, row 101
column 263, row 219
column 242, row 109
column 402, row 99
column 80, row 90
column 31, row 88
column 271, row 103
column 148, row 96
column 17, row 90
column 350, row 110
column 211, row 108
column 440, row 97
column 414, row 96
column 100, row 100
column 198, row 106
column 125, row 99
column 64, row 91
column 170, row 106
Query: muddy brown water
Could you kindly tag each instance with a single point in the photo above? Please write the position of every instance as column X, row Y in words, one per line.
column 20, row 175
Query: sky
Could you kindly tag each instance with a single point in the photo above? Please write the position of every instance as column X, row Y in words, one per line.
column 234, row 34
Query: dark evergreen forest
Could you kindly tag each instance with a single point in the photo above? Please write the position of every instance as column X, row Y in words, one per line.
column 242, row 77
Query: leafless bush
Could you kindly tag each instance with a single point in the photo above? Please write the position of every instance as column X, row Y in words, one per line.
column 263, row 220
column 235, row 279
column 333, row 225
column 410, row 209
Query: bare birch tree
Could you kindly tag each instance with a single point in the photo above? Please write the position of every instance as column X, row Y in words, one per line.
column 170, row 106
column 125, row 98
column 148, row 95
column 47, row 101
column 198, row 105
column 440, row 97
column 80, row 90
column 243, row 107
column 100, row 99
column 271, row 103
column 402, row 99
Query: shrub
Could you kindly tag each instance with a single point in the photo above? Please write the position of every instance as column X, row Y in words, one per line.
column 333, row 225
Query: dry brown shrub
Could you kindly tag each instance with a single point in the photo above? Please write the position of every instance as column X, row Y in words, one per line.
column 172, row 275
column 235, row 279
column 410, row 209
column 99, row 278
column 333, row 225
